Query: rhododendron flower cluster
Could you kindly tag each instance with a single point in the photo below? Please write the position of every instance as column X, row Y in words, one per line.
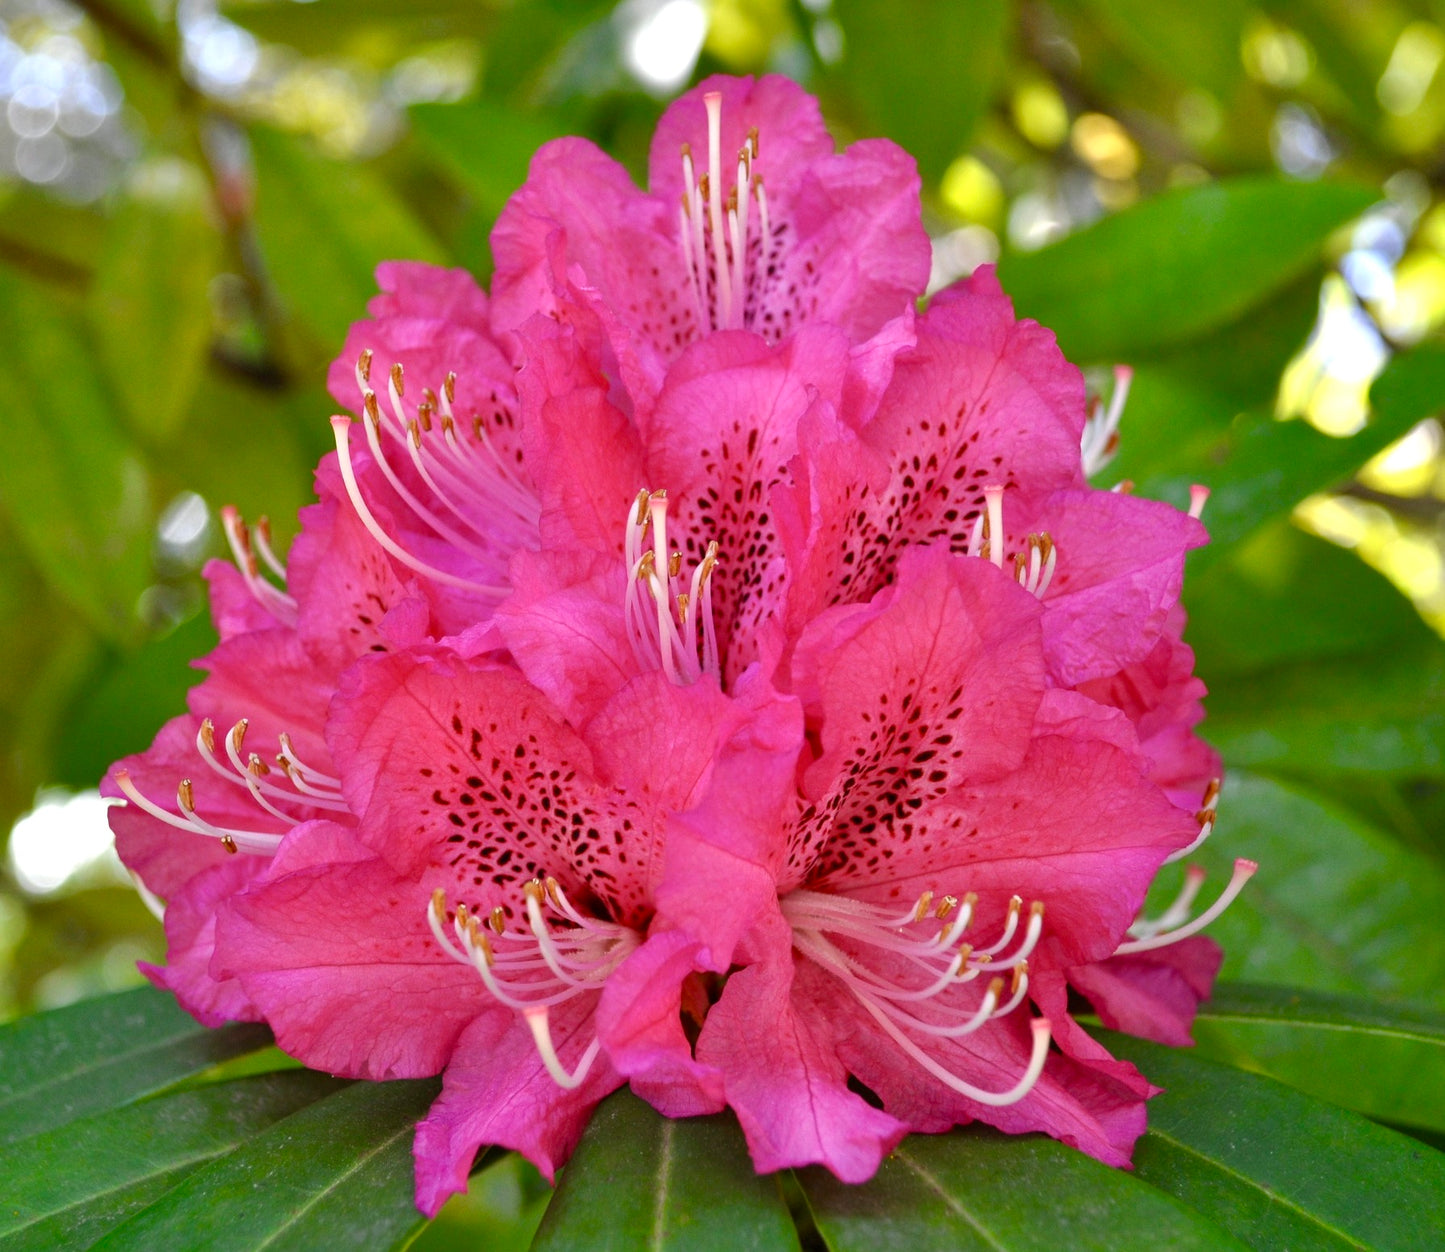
column 701, row 671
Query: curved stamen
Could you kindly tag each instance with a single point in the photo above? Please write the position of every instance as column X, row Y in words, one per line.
column 542, row 1035
column 253, row 841
column 1243, row 871
column 1101, row 429
column 340, row 426
column 1205, row 817
column 280, row 605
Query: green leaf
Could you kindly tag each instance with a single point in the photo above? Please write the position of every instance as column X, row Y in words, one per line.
column 1277, row 1168
column 1337, row 904
column 377, row 32
column 151, row 304
column 324, row 225
column 1193, row 44
column 122, row 707
column 486, row 146
column 1277, row 600
column 978, row 1189
column 59, row 1172
column 641, row 1180
column 1177, row 265
column 79, row 1225
column 100, row 1054
column 1383, row 1059
column 925, row 72
column 336, row 1174
column 79, row 497
column 1263, row 467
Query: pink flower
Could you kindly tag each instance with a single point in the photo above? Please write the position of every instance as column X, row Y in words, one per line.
column 700, row 672
column 752, row 222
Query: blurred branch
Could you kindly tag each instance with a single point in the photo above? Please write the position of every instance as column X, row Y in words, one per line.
column 135, row 37
column 1427, row 510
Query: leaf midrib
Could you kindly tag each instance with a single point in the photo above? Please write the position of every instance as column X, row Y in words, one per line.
column 949, row 1199
column 336, row 1181
column 664, row 1180
column 1384, row 1031
column 1273, row 1197
column 108, row 1060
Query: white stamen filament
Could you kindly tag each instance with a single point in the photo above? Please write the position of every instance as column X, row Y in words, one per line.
column 814, row 916
column 993, row 501
column 714, row 225
column 536, row 969
column 154, row 904
column 676, row 632
column 1243, row 871
column 340, row 426
column 542, row 1034
column 1101, row 428
column 252, row 841
column 1198, row 497
column 1177, row 912
column 280, row 605
column 1205, row 818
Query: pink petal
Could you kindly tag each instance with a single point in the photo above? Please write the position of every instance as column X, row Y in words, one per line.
column 580, row 448
column 190, row 923
column 468, row 768
column 496, row 1091
column 848, row 244
column 639, row 1020
column 932, row 684
column 720, row 439
column 319, row 948
column 564, row 626
column 234, row 610
column 1120, row 568
column 785, row 1083
column 1152, row 994
column 983, row 399
column 1093, row 1109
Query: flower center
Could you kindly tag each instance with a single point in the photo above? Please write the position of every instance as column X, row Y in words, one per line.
column 462, row 490
column 1033, row 564
column 535, row 969
column 715, row 228
column 923, row 989
column 675, row 631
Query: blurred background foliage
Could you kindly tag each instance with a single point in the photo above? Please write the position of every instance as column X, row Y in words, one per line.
column 1241, row 199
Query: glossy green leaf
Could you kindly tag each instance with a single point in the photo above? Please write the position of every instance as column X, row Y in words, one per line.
column 1337, row 904
column 100, row 1054
column 486, row 146
column 1262, row 468
column 324, row 225
column 1278, row 1168
column 929, row 104
column 978, row 1189
column 80, row 1225
column 1177, row 265
column 641, row 1180
column 79, row 497
column 150, row 304
column 59, row 1172
column 1277, row 600
column 1380, row 1058
column 338, row 1173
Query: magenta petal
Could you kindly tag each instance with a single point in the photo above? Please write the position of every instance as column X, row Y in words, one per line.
column 786, row 1085
column 581, row 450
column 320, row 948
column 639, row 1020
column 1152, row 994
column 497, row 1091
column 234, row 610
column 190, row 923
